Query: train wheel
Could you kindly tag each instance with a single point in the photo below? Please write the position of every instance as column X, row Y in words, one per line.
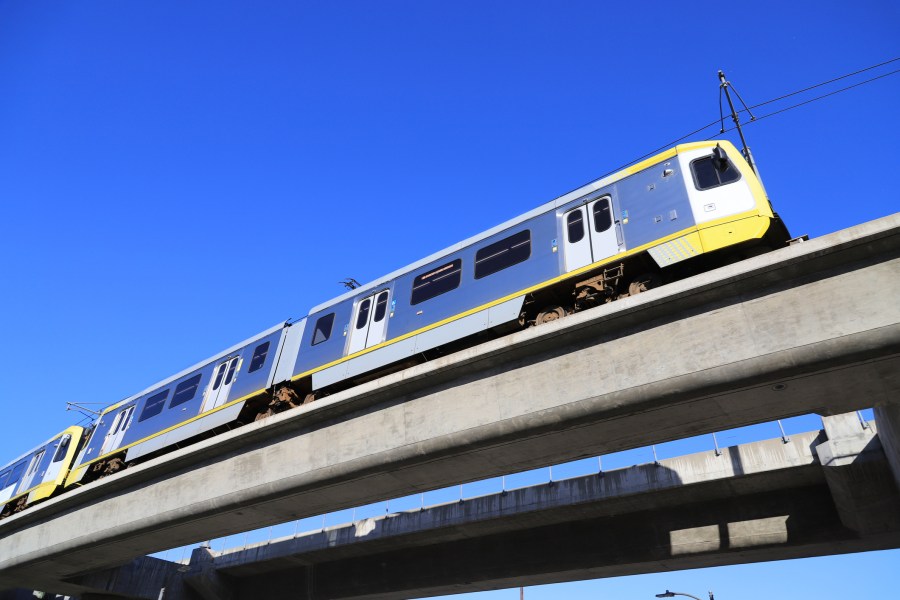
column 549, row 314
column 644, row 282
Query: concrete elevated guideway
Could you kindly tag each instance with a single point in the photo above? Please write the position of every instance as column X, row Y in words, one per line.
column 811, row 328
column 761, row 501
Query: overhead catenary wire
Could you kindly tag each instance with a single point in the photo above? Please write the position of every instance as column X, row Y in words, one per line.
column 850, row 87
column 782, row 97
column 818, row 85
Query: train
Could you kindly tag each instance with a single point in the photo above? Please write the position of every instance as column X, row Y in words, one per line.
column 692, row 208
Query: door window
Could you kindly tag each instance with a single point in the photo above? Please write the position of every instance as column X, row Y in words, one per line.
column 380, row 306
column 602, row 215
column 362, row 318
column 575, row 226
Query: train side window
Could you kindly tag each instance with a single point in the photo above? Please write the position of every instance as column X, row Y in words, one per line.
column 62, row 448
column 259, row 357
column 437, row 281
column 380, row 306
column 707, row 174
column 154, row 405
column 17, row 472
column 185, row 391
column 503, row 254
column 602, row 215
column 363, row 317
column 3, row 479
column 323, row 329
column 575, row 226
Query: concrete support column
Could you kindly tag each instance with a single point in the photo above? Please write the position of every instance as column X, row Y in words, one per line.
column 145, row 578
column 887, row 416
column 859, row 479
column 203, row 578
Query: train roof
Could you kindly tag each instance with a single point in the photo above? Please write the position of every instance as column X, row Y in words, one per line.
column 41, row 445
column 548, row 206
column 196, row 366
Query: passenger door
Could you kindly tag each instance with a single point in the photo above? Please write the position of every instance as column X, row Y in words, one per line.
column 117, row 431
column 604, row 235
column 369, row 322
column 591, row 233
column 220, row 385
column 32, row 471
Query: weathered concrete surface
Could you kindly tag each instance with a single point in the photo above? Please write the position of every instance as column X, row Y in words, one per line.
column 761, row 501
column 859, row 476
column 888, row 418
column 204, row 580
column 790, row 332
column 141, row 578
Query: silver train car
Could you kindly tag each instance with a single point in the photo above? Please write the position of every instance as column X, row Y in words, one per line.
column 687, row 210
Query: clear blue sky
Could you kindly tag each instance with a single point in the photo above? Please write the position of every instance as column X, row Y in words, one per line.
column 177, row 176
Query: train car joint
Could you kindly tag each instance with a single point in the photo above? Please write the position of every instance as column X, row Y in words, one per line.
column 285, row 398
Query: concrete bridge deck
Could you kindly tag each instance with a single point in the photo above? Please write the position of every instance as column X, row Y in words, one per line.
column 760, row 501
column 811, row 328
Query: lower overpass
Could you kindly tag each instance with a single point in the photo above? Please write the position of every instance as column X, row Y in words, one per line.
column 811, row 328
column 821, row 492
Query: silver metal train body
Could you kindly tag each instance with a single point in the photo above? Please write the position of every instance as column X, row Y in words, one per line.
column 692, row 208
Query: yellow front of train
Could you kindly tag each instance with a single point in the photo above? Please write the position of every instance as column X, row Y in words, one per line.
column 728, row 200
column 732, row 215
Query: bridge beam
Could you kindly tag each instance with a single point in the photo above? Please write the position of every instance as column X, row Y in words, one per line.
column 781, row 334
column 761, row 501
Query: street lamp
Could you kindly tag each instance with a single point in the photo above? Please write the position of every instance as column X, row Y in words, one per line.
column 668, row 594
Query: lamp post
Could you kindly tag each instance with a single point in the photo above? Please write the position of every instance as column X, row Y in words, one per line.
column 668, row 594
